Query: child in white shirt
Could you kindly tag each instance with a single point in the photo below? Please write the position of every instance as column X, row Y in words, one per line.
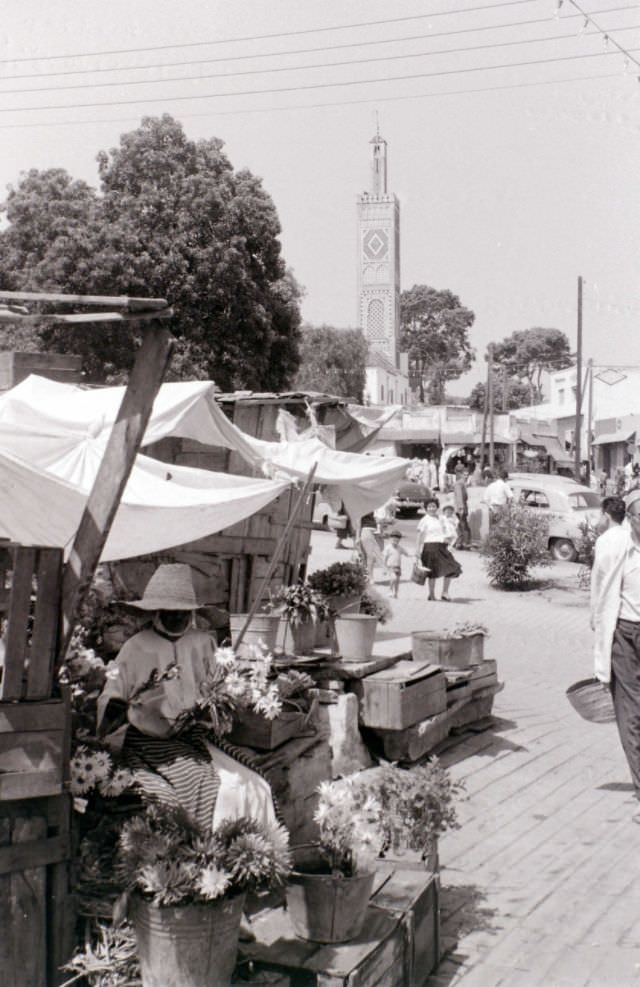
column 392, row 555
column 450, row 525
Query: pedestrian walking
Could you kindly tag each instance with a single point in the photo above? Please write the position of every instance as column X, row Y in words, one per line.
column 615, row 618
column 432, row 551
column 498, row 494
column 461, row 504
column 392, row 556
column 370, row 549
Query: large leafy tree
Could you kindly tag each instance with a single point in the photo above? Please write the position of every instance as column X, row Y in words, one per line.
column 435, row 334
column 528, row 353
column 173, row 219
column 332, row 361
column 518, row 394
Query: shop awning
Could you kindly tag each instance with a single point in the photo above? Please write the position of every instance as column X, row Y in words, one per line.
column 609, row 438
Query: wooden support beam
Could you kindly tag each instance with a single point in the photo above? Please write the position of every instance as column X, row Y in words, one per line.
column 124, row 442
column 106, row 301
column 82, row 318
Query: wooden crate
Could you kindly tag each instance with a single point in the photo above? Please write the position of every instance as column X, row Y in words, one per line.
column 30, row 582
column 450, row 652
column 33, row 749
column 398, row 946
column 397, row 697
column 255, row 731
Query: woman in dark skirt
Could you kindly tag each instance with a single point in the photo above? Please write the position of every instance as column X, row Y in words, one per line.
column 432, row 551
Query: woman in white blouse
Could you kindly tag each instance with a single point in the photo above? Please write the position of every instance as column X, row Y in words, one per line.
column 432, row 550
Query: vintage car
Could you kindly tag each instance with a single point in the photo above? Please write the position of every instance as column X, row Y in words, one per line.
column 566, row 503
column 410, row 497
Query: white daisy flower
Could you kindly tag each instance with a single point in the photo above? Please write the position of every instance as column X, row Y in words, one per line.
column 112, row 671
column 225, row 657
column 212, row 882
column 119, row 782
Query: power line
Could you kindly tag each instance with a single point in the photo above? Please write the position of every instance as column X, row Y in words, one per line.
column 305, row 51
column 299, row 68
column 306, row 88
column 325, row 105
column 264, row 37
column 588, row 19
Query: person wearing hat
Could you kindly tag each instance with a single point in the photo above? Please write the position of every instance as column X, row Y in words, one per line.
column 156, row 678
column 392, row 556
column 615, row 618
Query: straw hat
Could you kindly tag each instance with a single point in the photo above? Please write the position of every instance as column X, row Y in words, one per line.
column 170, row 588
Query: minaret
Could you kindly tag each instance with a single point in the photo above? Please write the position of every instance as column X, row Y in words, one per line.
column 379, row 259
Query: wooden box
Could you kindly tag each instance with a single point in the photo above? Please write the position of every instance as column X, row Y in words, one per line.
column 254, row 730
column 397, row 697
column 450, row 652
column 398, row 946
column 33, row 752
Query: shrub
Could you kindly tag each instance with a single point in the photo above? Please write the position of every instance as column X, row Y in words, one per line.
column 518, row 539
column 339, row 579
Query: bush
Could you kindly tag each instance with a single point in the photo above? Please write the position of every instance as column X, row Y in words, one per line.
column 518, row 539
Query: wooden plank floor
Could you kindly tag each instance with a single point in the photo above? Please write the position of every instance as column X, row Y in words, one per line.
column 541, row 884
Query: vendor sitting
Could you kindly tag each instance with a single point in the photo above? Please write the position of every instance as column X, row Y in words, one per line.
column 155, row 678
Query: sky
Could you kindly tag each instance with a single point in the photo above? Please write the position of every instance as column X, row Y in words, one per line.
column 513, row 179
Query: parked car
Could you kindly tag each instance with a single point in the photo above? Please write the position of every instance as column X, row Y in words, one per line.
column 410, row 498
column 566, row 503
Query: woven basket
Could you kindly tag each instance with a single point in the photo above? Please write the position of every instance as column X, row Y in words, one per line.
column 592, row 700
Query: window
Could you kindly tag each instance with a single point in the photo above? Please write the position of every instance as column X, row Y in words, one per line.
column 584, row 499
column 534, row 498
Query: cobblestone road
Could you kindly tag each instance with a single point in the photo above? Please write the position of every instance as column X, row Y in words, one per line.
column 540, row 884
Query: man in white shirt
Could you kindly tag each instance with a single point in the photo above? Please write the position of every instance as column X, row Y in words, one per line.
column 498, row 493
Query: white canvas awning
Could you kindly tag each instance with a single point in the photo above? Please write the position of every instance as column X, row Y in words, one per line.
column 60, row 431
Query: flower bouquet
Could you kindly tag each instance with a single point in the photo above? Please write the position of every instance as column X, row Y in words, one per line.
column 185, row 890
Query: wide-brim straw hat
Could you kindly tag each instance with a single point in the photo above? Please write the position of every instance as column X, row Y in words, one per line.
column 170, row 588
column 592, row 700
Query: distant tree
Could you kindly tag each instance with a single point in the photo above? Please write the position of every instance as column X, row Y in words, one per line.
column 332, row 361
column 435, row 334
column 173, row 220
column 528, row 353
column 518, row 395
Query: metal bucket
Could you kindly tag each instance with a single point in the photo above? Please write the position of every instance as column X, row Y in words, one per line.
column 187, row 945
column 263, row 627
column 355, row 633
column 325, row 908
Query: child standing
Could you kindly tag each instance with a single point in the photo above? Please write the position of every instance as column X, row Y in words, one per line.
column 392, row 555
column 450, row 524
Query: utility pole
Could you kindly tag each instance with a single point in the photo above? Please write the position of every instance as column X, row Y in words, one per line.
column 485, row 410
column 589, row 419
column 491, row 409
column 505, row 390
column 578, row 427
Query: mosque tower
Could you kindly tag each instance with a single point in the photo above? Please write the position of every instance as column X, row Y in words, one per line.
column 379, row 277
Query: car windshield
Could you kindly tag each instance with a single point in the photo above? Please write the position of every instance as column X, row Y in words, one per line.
column 584, row 499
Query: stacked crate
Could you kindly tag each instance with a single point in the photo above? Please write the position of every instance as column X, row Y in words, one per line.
column 34, row 757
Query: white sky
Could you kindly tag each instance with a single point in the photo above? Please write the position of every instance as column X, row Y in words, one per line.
column 506, row 195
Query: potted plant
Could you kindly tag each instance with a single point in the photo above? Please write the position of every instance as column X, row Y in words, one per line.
column 342, row 585
column 186, row 889
column 328, row 893
column 301, row 608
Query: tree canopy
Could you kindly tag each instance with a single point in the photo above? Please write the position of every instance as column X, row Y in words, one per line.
column 435, row 334
column 528, row 353
column 173, row 220
column 332, row 361
column 518, row 395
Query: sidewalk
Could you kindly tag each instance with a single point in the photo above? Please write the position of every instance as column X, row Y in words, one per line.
column 540, row 884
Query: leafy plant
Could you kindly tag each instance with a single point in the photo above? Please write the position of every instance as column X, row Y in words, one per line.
column 164, row 856
column 517, row 540
column 466, row 628
column 109, row 958
column 418, row 805
column 339, row 579
column 300, row 604
column 586, row 551
column 351, row 826
column 375, row 605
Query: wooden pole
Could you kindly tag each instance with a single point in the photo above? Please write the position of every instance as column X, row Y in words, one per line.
column 505, row 390
column 485, row 408
column 589, row 419
column 277, row 552
column 492, row 458
column 578, row 429
column 124, row 442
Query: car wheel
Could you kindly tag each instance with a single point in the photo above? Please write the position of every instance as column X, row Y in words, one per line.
column 563, row 550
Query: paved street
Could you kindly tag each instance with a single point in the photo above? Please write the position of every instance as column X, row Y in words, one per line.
column 540, row 884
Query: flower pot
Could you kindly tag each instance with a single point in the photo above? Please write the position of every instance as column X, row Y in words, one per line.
column 328, row 908
column 325, row 633
column 450, row 652
column 263, row 627
column 253, row 730
column 355, row 633
column 187, row 945
column 297, row 638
